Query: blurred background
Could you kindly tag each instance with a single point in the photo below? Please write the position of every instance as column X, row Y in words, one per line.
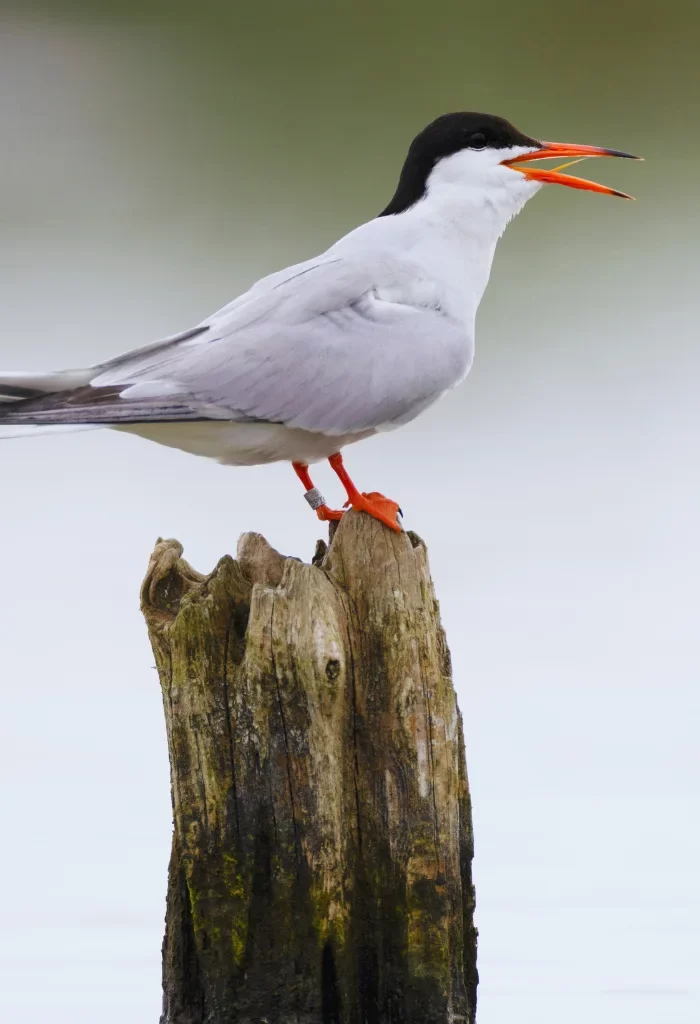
column 157, row 158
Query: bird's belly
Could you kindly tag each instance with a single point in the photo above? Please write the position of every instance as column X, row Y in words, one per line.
column 243, row 444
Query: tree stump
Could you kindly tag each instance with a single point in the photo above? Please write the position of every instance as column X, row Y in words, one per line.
column 322, row 847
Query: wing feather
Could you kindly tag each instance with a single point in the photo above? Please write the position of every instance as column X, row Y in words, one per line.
column 335, row 346
column 323, row 351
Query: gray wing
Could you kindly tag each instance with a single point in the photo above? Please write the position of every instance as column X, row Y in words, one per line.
column 336, row 346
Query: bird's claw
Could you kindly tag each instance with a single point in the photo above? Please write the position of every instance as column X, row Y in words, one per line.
column 377, row 506
column 328, row 515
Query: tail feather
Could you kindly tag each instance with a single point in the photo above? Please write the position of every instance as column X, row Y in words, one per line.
column 69, row 398
column 16, row 386
column 9, row 433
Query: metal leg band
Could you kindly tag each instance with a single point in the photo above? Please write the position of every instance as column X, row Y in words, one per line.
column 315, row 498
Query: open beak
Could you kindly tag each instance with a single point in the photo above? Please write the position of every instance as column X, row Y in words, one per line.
column 557, row 150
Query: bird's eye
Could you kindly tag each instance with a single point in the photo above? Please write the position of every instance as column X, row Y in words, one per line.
column 477, row 141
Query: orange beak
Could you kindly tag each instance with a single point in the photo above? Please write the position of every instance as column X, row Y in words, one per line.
column 556, row 150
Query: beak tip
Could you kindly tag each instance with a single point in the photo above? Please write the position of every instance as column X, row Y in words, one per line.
column 621, row 154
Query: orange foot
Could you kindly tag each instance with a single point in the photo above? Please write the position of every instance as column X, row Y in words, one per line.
column 327, row 515
column 377, row 506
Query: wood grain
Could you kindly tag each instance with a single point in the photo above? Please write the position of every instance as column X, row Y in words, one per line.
column 322, row 845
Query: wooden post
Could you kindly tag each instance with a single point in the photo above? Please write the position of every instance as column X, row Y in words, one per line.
column 322, row 846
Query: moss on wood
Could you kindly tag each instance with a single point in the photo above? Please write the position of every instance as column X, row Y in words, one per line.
column 322, row 846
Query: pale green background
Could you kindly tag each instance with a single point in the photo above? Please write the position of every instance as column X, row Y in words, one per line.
column 155, row 160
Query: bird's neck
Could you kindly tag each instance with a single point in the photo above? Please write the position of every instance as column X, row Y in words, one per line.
column 450, row 234
column 470, row 211
column 453, row 232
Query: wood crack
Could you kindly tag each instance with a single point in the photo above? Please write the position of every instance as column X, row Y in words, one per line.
column 288, row 756
column 229, row 730
column 351, row 613
column 429, row 716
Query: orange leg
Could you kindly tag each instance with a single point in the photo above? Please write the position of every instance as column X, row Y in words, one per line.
column 313, row 495
column 374, row 504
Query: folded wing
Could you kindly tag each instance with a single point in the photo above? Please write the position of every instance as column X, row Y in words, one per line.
column 337, row 346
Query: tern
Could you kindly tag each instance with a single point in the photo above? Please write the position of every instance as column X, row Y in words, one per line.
column 358, row 340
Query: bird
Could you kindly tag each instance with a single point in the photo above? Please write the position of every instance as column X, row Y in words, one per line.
column 358, row 340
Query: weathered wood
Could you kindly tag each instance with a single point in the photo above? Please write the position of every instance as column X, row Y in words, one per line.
column 322, row 846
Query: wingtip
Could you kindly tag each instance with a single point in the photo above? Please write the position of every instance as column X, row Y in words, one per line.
column 11, row 432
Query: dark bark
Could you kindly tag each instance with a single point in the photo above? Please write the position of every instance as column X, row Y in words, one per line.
column 322, row 848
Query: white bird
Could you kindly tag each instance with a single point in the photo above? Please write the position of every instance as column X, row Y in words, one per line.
column 358, row 340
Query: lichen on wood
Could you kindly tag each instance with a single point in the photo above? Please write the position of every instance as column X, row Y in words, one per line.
column 322, row 846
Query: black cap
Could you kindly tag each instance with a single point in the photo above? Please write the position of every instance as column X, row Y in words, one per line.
column 449, row 134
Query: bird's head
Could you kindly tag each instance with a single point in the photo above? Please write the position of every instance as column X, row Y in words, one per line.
column 486, row 160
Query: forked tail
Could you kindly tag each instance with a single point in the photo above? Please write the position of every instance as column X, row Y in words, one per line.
column 18, row 388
